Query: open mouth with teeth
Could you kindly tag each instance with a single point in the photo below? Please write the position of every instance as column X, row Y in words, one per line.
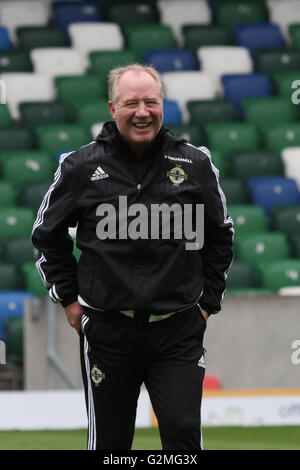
column 142, row 125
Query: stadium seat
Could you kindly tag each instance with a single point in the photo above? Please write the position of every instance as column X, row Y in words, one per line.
column 172, row 113
column 187, row 86
column 91, row 112
column 236, row 87
column 15, row 61
column 12, row 304
column 5, row 116
column 232, row 12
column 258, row 248
column 241, row 277
column 138, row 12
column 33, row 280
column 217, row 61
column 294, row 35
column 13, row 332
column 191, row 132
column 247, row 218
column 14, row 13
column 291, row 161
column 26, row 87
column 232, row 136
column 221, row 162
column 199, row 35
column 34, row 114
column 15, row 138
column 271, row 109
column 15, row 222
column 260, row 162
column 87, row 37
column 286, row 219
column 23, row 167
column 284, row 13
column 31, row 37
column 283, row 82
column 277, row 274
column 270, row 192
column 5, row 40
column 54, row 61
column 235, row 190
column 259, row 35
column 294, row 242
column 9, row 277
column 202, row 112
column 8, row 194
column 140, row 37
column 271, row 61
column 80, row 88
column 33, row 194
column 170, row 60
column 18, row 251
column 277, row 136
column 102, row 62
column 54, row 138
column 65, row 13
column 178, row 13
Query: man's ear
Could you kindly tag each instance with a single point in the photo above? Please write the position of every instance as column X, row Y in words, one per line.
column 111, row 109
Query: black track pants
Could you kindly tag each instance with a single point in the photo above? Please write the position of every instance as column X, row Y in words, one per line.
column 119, row 354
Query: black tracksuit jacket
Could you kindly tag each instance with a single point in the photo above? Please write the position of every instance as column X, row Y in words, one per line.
column 154, row 275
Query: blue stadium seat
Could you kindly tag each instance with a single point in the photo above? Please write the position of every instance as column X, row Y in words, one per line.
column 170, row 60
column 270, row 192
column 11, row 305
column 67, row 12
column 172, row 113
column 236, row 87
column 259, row 35
column 5, row 41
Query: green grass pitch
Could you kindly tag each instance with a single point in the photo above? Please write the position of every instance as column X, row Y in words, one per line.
column 214, row 438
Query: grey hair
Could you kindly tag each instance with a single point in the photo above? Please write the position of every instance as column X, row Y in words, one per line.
column 116, row 73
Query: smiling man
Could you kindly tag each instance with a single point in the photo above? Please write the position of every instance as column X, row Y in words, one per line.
column 139, row 300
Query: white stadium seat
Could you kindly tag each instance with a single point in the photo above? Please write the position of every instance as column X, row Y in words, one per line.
column 54, row 61
column 284, row 13
column 21, row 87
column 291, row 162
column 186, row 86
column 177, row 13
column 221, row 60
column 95, row 36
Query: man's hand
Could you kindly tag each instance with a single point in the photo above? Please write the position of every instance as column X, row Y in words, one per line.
column 204, row 313
column 74, row 313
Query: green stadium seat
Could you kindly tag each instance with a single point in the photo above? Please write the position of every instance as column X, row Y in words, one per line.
column 202, row 112
column 271, row 109
column 272, row 61
column 140, row 37
column 8, row 194
column 57, row 138
column 15, row 222
column 80, row 88
column 257, row 248
column 5, row 117
column 92, row 112
column 277, row 274
column 30, row 37
column 278, row 136
column 286, row 219
column 294, row 34
column 16, row 138
column 231, row 136
column 283, row 82
column 9, row 278
column 102, row 62
column 191, row 132
column 200, row 35
column 138, row 12
column 14, row 331
column 18, row 251
column 15, row 61
column 247, row 218
column 232, row 12
column 33, row 280
column 33, row 194
column 23, row 167
column 221, row 162
column 241, row 277
column 235, row 190
column 38, row 113
column 255, row 163
column 294, row 242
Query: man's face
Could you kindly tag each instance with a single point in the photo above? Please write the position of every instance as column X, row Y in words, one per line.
column 138, row 112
